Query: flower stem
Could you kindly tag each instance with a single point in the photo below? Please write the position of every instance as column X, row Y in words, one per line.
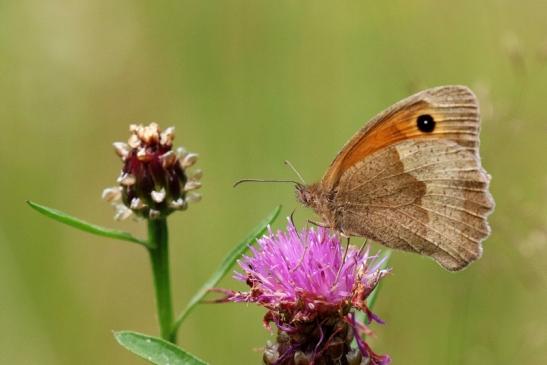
column 159, row 258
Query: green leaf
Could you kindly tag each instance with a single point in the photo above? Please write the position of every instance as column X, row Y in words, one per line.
column 85, row 226
column 226, row 265
column 156, row 350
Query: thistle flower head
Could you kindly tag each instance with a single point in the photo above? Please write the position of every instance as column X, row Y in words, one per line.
column 154, row 180
column 311, row 287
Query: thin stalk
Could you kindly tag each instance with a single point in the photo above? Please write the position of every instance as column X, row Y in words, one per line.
column 159, row 257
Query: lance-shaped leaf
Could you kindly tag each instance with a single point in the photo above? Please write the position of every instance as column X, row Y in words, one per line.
column 85, row 226
column 156, row 350
column 226, row 265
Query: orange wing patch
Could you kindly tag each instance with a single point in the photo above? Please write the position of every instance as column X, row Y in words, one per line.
column 454, row 110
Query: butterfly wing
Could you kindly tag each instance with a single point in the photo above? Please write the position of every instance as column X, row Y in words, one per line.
column 424, row 192
column 454, row 109
column 424, row 196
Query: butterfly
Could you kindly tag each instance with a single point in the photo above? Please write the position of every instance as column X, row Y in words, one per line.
column 411, row 179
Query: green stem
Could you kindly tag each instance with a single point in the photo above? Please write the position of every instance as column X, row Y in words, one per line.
column 159, row 257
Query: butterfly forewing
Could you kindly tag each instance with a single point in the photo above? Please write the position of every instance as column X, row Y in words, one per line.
column 454, row 110
column 412, row 179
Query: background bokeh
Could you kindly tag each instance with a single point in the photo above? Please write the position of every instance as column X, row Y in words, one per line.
column 248, row 84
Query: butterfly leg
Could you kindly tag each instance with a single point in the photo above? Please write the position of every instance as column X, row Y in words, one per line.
column 343, row 257
column 346, row 250
column 363, row 246
column 291, row 217
column 318, row 224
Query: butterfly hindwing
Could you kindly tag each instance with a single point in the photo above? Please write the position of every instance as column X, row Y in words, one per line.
column 424, row 196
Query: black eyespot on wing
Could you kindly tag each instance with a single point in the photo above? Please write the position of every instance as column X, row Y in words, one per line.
column 425, row 123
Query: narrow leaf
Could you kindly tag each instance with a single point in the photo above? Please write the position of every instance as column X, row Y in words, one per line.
column 156, row 350
column 85, row 226
column 226, row 265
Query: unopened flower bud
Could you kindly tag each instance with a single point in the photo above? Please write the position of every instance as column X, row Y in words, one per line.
column 154, row 179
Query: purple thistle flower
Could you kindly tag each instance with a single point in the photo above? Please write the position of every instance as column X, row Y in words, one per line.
column 312, row 287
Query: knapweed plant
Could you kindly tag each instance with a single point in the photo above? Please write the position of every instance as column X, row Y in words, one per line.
column 312, row 287
column 318, row 293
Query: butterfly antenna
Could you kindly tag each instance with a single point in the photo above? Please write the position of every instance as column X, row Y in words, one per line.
column 291, row 166
column 265, row 181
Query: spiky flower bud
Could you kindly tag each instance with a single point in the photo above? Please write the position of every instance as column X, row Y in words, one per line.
column 154, row 181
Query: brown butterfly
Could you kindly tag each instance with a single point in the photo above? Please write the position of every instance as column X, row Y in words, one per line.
column 412, row 179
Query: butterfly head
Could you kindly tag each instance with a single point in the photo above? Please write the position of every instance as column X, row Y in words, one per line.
column 314, row 196
column 308, row 195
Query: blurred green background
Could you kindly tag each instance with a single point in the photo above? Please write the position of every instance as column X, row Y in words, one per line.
column 248, row 84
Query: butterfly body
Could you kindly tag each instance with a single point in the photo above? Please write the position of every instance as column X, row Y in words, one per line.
column 412, row 179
